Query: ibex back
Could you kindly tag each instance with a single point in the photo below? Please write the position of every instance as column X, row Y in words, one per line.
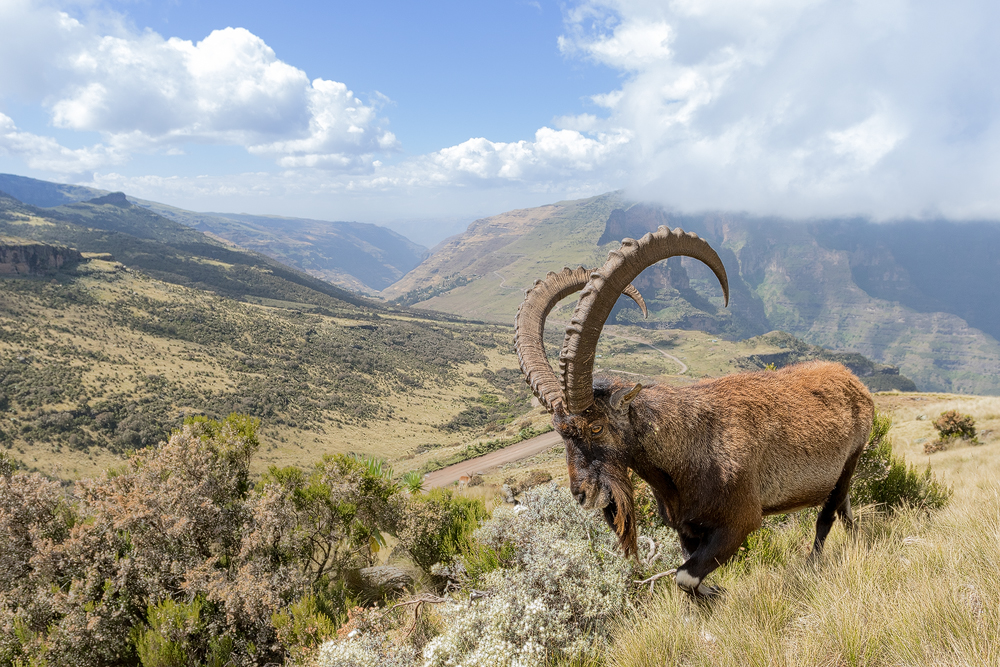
column 719, row 454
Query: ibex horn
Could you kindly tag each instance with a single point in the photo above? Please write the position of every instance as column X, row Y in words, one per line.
column 599, row 295
column 529, row 329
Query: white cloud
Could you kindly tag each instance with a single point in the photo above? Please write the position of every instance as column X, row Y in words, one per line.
column 145, row 93
column 818, row 107
column 798, row 107
column 555, row 157
column 46, row 154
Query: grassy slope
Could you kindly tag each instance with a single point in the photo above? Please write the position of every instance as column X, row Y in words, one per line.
column 169, row 251
column 504, row 255
column 97, row 362
column 787, row 281
column 911, row 589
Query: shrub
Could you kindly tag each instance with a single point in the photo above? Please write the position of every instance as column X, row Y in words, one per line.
column 176, row 637
column 885, row 480
column 558, row 584
column 413, row 481
column 164, row 557
column 341, row 509
column 952, row 424
column 437, row 525
column 952, row 427
column 368, row 643
column 303, row 626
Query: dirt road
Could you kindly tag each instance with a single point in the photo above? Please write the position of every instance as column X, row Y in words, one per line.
column 521, row 450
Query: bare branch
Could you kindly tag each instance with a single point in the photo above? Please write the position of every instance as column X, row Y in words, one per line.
column 653, row 579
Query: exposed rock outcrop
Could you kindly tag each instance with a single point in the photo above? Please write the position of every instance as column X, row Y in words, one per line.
column 31, row 258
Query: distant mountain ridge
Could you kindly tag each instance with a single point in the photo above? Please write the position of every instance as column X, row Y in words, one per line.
column 358, row 256
column 912, row 294
column 168, row 251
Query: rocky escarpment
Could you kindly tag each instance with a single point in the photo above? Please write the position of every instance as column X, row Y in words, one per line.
column 31, row 258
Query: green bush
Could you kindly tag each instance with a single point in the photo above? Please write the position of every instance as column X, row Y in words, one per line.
column 885, row 480
column 437, row 526
column 414, row 481
column 303, row 626
column 176, row 637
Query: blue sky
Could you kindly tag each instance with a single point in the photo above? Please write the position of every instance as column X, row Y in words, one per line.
column 424, row 116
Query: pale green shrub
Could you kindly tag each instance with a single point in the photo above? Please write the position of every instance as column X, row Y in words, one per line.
column 560, row 582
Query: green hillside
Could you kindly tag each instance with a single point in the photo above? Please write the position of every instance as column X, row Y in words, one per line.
column 102, row 359
column 167, row 250
column 903, row 294
column 357, row 256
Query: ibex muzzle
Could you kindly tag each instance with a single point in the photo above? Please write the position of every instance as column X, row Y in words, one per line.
column 718, row 455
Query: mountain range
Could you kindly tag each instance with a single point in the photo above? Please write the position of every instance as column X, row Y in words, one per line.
column 914, row 294
column 358, row 256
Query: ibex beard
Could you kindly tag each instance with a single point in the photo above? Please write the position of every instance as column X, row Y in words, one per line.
column 718, row 455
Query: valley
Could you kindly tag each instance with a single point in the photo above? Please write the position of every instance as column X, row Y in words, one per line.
column 356, row 256
column 160, row 321
column 912, row 300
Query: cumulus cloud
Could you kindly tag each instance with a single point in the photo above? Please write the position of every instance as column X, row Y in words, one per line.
column 810, row 107
column 796, row 107
column 143, row 92
column 46, row 154
column 554, row 154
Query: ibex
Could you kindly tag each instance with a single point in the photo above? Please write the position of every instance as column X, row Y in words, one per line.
column 719, row 454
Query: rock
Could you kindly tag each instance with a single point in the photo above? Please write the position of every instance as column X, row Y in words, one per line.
column 372, row 584
column 30, row 258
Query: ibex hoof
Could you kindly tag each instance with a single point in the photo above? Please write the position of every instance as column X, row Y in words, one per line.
column 694, row 587
column 708, row 593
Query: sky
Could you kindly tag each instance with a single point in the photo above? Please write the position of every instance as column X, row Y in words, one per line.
column 425, row 116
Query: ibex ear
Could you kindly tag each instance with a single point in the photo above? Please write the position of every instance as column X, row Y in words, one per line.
column 621, row 398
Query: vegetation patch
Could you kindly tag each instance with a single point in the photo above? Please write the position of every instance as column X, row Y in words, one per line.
column 953, row 428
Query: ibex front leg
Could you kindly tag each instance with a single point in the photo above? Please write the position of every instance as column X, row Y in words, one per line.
column 708, row 549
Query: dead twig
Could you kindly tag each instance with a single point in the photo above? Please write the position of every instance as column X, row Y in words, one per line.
column 417, row 602
column 653, row 579
column 654, row 550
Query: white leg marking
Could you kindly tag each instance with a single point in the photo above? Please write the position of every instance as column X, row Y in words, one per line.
column 687, row 581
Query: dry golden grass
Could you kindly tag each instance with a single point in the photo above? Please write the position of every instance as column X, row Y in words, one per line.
column 115, row 359
column 906, row 589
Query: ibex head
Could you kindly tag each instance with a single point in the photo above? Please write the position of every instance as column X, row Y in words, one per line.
column 594, row 418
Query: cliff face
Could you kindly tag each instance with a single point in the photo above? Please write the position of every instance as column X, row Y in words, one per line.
column 29, row 258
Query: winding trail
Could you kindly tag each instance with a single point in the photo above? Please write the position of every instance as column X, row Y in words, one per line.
column 684, row 368
column 503, row 281
column 515, row 452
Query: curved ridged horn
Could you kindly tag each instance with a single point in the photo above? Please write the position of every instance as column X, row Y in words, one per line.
column 529, row 329
column 623, row 266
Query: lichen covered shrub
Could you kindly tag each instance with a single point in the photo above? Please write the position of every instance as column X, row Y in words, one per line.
column 540, row 582
column 560, row 580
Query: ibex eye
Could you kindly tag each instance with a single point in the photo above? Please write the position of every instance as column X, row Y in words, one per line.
column 596, row 429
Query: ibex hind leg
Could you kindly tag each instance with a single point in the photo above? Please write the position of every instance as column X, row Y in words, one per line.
column 838, row 503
